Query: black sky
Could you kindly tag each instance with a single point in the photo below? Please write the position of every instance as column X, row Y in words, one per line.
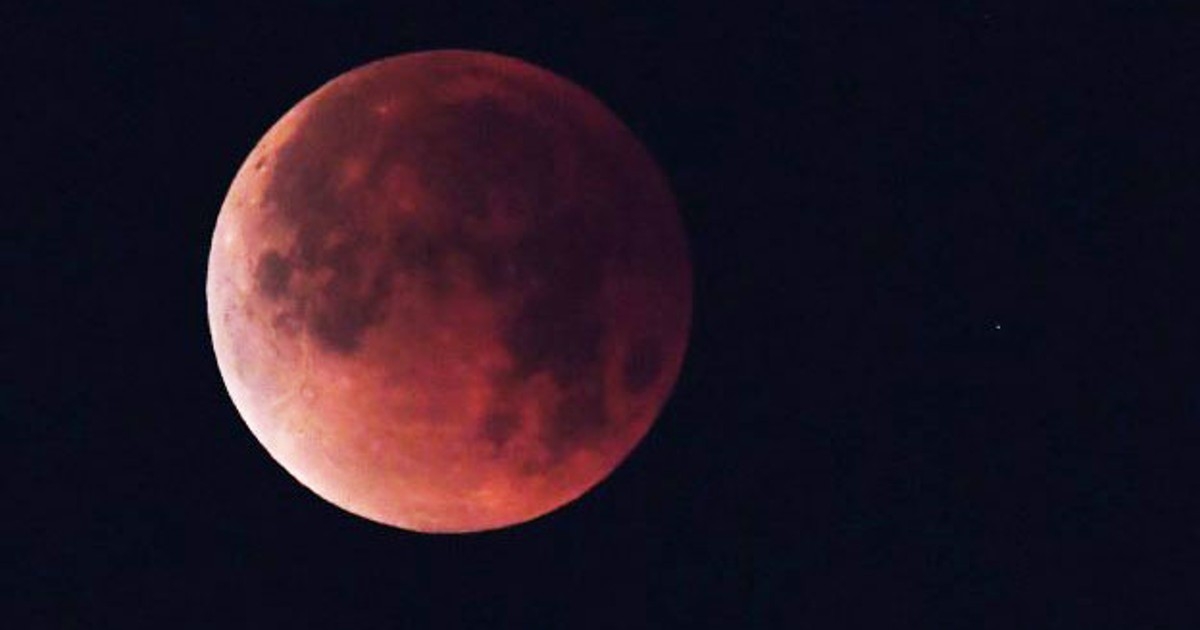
column 943, row 370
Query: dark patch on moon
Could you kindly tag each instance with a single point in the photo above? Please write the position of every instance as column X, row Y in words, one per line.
column 558, row 329
column 495, row 271
column 344, row 312
column 579, row 417
column 560, row 324
column 271, row 275
column 643, row 364
column 307, row 198
column 423, row 257
column 499, row 427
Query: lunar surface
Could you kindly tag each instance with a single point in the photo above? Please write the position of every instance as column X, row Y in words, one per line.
column 449, row 291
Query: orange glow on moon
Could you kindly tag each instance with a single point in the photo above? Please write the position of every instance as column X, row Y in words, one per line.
column 449, row 291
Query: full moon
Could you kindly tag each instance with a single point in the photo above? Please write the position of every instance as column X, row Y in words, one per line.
column 449, row 291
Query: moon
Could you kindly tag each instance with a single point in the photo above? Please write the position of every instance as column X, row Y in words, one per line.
column 449, row 291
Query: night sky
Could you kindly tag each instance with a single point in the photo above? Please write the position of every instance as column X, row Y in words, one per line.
column 943, row 364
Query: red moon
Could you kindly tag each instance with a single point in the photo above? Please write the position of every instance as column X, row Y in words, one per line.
column 449, row 291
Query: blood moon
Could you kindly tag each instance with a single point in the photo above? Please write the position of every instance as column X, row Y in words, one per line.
column 449, row 291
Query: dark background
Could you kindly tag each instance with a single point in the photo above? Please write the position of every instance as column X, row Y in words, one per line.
column 943, row 367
